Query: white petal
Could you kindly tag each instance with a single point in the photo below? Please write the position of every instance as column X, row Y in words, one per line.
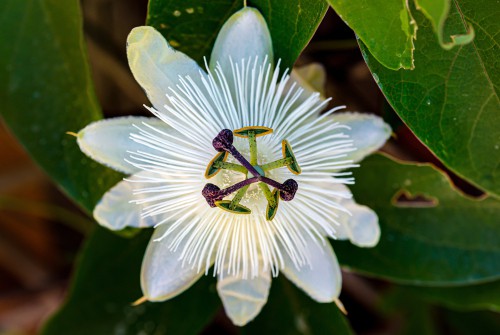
column 359, row 223
column 361, row 227
column 369, row 132
column 312, row 78
column 323, row 279
column 155, row 65
column 244, row 298
column 244, row 35
column 107, row 141
column 115, row 211
column 162, row 275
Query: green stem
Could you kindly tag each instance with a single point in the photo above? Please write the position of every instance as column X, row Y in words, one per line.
column 277, row 164
column 239, row 195
column 231, row 166
column 253, row 147
column 267, row 192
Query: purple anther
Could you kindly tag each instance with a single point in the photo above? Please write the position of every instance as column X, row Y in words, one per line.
column 223, row 141
column 289, row 189
column 213, row 193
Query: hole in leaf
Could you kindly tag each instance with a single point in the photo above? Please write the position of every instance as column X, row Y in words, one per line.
column 407, row 200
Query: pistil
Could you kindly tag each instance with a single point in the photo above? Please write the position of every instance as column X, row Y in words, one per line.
column 213, row 192
column 223, row 143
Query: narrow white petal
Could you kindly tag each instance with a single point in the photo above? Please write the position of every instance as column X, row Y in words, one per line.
column 369, row 132
column 115, row 210
column 155, row 65
column 362, row 226
column 322, row 280
column 163, row 275
column 243, row 299
column 107, row 141
column 244, row 35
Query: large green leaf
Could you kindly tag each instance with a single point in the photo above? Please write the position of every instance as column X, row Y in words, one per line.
column 192, row 25
column 450, row 100
column 107, row 282
column 289, row 311
column 444, row 238
column 46, row 90
column 471, row 297
column 386, row 26
column 437, row 11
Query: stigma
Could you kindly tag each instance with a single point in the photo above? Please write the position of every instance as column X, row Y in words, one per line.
column 253, row 171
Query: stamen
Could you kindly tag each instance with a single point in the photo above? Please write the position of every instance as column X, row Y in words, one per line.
column 277, row 164
column 288, row 188
column 252, row 141
column 223, row 143
column 288, row 153
column 231, row 166
column 268, row 194
column 213, row 168
column 213, row 193
column 237, row 198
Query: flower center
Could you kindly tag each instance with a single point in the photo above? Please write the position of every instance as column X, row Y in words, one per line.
column 254, row 173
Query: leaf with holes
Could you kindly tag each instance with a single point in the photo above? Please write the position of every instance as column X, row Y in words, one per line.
column 437, row 11
column 191, row 26
column 450, row 100
column 431, row 233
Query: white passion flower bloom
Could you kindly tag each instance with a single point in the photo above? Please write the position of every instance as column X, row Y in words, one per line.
column 216, row 176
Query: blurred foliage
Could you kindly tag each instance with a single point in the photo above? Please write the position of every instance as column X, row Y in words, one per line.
column 107, row 283
column 46, row 91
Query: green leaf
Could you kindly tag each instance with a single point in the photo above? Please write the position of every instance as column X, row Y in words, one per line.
column 386, row 27
column 107, row 282
column 450, row 100
column 289, row 311
column 437, row 11
column 191, row 26
column 471, row 297
column 46, row 90
column 442, row 238
column 292, row 24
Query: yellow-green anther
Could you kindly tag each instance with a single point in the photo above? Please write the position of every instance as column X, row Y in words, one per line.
column 253, row 147
column 267, row 192
column 277, row 164
column 231, row 166
column 238, row 196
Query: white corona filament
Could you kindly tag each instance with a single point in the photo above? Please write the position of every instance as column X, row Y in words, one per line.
column 251, row 94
